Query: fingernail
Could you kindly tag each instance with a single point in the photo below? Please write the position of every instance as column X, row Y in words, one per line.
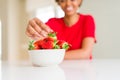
column 50, row 30
column 44, row 35
column 37, row 34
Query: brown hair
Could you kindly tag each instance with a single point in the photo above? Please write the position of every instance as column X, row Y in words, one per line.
column 79, row 5
column 56, row 0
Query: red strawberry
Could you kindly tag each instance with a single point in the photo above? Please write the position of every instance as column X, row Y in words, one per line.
column 50, row 42
column 48, row 45
column 49, row 39
column 37, row 44
column 36, row 47
column 63, row 44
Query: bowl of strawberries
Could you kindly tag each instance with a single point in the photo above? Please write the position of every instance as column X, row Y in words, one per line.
column 48, row 51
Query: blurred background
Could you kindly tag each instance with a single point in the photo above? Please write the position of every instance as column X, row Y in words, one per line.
column 14, row 16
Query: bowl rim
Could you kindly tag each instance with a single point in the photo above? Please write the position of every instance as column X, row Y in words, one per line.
column 46, row 49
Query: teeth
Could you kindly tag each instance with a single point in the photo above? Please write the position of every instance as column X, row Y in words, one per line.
column 69, row 8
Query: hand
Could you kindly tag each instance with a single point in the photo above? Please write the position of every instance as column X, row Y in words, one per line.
column 36, row 29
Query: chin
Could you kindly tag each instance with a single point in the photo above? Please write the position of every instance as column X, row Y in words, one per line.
column 70, row 14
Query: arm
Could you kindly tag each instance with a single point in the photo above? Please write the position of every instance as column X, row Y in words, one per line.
column 84, row 52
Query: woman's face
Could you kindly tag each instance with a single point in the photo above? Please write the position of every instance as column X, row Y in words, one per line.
column 69, row 7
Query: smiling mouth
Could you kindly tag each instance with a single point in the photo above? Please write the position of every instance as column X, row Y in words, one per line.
column 69, row 8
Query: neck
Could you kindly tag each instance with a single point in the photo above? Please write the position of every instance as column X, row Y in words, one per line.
column 71, row 20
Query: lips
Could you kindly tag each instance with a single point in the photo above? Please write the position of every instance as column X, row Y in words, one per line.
column 70, row 8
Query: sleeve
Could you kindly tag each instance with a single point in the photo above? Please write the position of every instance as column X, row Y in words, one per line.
column 53, row 23
column 89, row 27
column 50, row 22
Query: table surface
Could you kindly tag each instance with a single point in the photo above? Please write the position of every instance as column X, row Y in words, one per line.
column 107, row 69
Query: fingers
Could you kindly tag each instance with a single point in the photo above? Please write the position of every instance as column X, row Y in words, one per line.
column 36, row 29
column 34, row 25
column 42, row 25
column 32, row 33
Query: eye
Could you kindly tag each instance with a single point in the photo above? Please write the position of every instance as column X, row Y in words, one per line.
column 65, row 0
column 73, row 0
column 62, row 0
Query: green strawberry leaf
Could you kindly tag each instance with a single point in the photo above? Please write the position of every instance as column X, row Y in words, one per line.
column 31, row 46
column 56, row 47
column 66, row 46
column 52, row 34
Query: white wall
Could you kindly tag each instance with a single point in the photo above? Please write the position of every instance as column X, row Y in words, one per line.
column 107, row 15
column 0, row 38
column 14, row 19
column 32, row 5
column 3, row 17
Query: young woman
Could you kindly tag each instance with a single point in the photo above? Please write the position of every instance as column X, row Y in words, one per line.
column 75, row 28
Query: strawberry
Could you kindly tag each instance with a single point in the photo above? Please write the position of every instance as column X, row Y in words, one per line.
column 49, row 42
column 52, row 35
column 48, row 39
column 38, row 44
column 48, row 45
column 63, row 44
column 36, row 47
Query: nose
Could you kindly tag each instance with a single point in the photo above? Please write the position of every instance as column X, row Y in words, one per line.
column 68, row 2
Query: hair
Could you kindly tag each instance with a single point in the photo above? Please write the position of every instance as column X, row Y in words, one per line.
column 56, row 0
column 79, row 5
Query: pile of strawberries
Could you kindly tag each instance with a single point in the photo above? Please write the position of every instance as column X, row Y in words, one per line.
column 50, row 42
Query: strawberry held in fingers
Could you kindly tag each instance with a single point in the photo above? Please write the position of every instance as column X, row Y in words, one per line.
column 52, row 35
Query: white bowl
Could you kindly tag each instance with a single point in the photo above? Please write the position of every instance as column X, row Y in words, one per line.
column 47, row 57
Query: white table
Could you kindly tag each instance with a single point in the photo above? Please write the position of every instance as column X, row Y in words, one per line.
column 67, row 70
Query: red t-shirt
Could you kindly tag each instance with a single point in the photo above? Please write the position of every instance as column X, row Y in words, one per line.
column 74, row 35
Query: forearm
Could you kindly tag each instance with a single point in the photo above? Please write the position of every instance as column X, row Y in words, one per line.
column 77, row 54
column 84, row 52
